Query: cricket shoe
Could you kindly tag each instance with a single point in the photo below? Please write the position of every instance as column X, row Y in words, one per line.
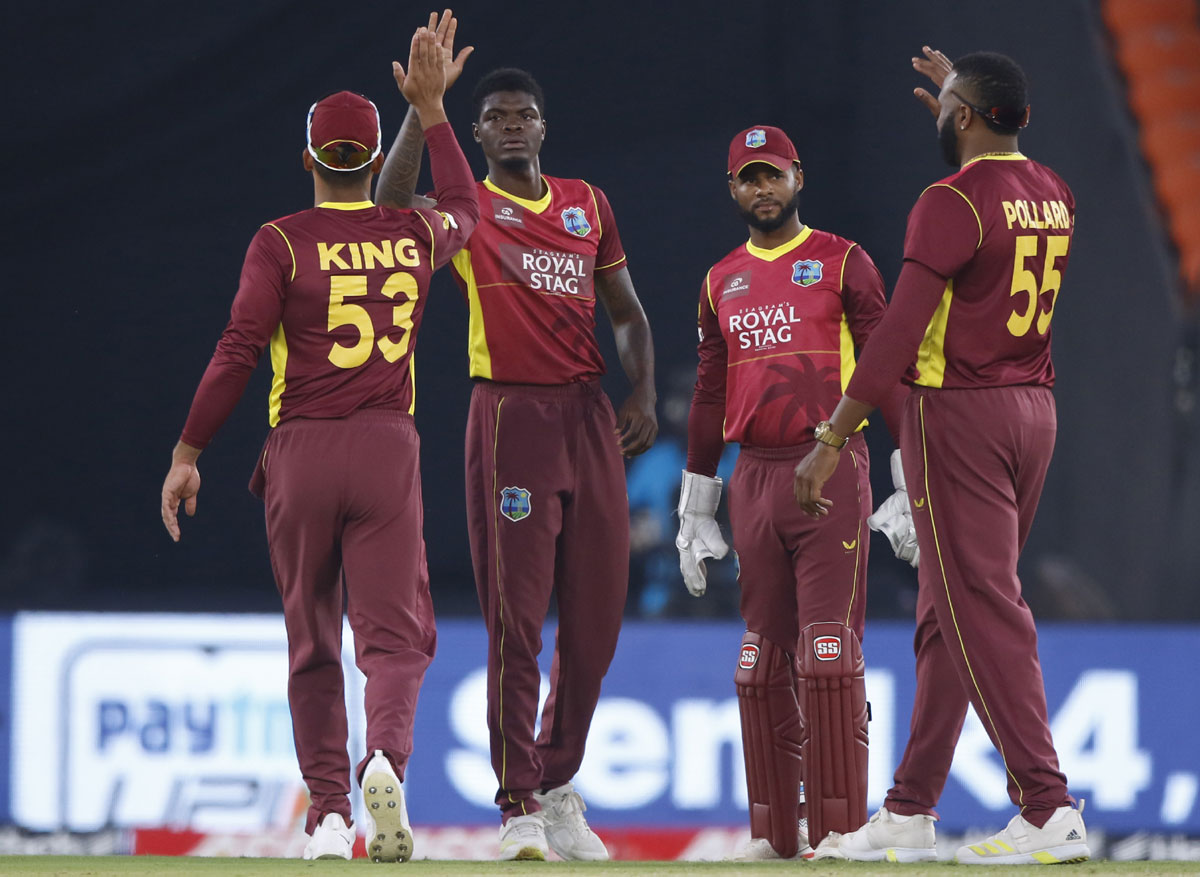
column 567, row 831
column 1063, row 839
column 331, row 839
column 759, row 849
column 886, row 837
column 389, row 835
column 523, row 838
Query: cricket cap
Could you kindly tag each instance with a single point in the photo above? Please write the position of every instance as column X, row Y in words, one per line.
column 344, row 131
column 761, row 143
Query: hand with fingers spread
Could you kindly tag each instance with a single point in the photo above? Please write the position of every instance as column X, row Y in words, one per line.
column 425, row 81
column 443, row 34
column 937, row 67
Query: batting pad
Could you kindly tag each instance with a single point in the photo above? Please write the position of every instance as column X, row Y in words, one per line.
column 770, row 741
column 834, row 714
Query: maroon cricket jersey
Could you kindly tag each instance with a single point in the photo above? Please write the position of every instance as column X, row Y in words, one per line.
column 778, row 330
column 999, row 232
column 337, row 292
column 528, row 273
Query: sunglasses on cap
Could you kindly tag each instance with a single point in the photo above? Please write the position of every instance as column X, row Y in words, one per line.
column 342, row 155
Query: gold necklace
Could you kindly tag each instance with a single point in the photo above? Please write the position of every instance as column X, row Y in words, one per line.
column 990, row 154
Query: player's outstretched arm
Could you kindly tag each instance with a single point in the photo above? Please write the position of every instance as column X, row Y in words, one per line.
column 181, row 485
column 398, row 180
column 937, row 67
column 637, row 424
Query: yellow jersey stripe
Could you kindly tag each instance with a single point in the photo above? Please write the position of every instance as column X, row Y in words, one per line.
column 412, row 381
column 708, row 291
column 937, row 547
column 931, row 355
column 289, row 246
column 279, row 354
column 479, row 357
column 596, row 208
column 537, row 206
column 610, row 264
column 346, row 205
column 997, row 156
column 783, row 249
column 432, row 263
column 969, row 204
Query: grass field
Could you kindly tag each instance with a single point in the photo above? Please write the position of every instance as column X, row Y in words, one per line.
column 137, row 866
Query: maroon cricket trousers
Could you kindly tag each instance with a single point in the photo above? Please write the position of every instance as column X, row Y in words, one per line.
column 547, row 513
column 344, row 519
column 975, row 461
column 796, row 570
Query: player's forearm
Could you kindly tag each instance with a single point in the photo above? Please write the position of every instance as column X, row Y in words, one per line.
column 185, row 453
column 706, row 434
column 402, row 167
column 635, row 349
column 453, row 184
column 216, row 397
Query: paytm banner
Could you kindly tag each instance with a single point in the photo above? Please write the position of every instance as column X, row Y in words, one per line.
column 181, row 721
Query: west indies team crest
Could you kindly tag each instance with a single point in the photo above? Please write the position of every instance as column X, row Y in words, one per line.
column 514, row 503
column 575, row 221
column 806, row 272
column 756, row 138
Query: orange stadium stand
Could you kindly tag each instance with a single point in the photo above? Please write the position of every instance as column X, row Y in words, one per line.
column 1157, row 46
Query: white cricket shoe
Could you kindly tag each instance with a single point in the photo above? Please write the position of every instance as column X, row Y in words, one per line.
column 567, row 831
column 331, row 839
column 886, row 837
column 759, row 849
column 523, row 838
column 1061, row 840
column 389, row 835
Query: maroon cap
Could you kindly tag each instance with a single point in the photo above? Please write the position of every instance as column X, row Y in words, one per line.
column 761, row 143
column 343, row 131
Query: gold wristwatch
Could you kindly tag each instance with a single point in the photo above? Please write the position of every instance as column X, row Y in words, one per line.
column 825, row 435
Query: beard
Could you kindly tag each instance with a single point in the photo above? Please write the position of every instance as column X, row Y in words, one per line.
column 948, row 140
column 777, row 222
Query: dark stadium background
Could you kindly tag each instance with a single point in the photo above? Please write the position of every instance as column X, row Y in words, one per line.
column 147, row 141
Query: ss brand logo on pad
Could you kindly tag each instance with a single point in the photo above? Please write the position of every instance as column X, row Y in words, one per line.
column 749, row 656
column 827, row 648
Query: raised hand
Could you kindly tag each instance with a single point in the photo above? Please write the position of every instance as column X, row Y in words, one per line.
column 937, row 67
column 443, row 32
column 425, row 81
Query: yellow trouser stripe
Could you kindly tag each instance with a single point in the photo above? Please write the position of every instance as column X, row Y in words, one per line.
column 954, row 616
column 858, row 552
column 500, row 599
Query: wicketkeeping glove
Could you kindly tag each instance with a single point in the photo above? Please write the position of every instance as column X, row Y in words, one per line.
column 894, row 518
column 699, row 535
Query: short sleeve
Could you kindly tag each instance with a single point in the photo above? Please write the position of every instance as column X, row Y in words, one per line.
column 610, row 255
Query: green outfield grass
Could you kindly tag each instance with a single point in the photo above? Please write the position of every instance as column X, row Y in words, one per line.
column 136, row 866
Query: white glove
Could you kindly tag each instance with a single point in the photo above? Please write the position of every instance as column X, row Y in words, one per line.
column 699, row 536
column 894, row 518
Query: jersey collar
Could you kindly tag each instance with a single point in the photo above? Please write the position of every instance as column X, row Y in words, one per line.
column 346, row 205
column 998, row 156
column 781, row 250
column 534, row 206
